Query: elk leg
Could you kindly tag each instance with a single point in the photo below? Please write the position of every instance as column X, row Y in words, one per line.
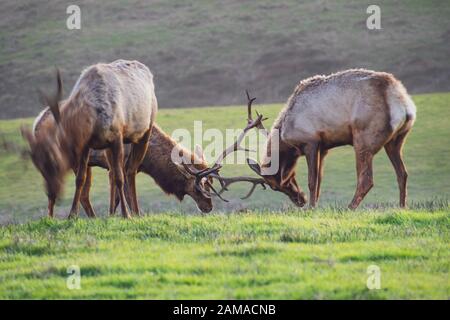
column 114, row 204
column 112, row 192
column 51, row 206
column 85, row 201
column 394, row 152
column 117, row 168
column 117, row 202
column 365, row 176
column 79, row 183
column 114, row 198
column 323, row 154
column 312, row 159
column 137, row 154
column 127, row 193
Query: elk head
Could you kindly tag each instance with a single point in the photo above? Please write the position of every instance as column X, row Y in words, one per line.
column 197, row 185
column 282, row 182
column 47, row 148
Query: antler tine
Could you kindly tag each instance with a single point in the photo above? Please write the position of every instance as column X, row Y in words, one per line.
column 219, row 194
column 249, row 106
column 260, row 125
column 226, row 182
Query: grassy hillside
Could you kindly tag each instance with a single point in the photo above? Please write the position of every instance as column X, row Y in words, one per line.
column 261, row 248
column 206, row 52
column 303, row 255
column 426, row 155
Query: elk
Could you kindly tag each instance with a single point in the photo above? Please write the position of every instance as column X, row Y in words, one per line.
column 172, row 178
column 366, row 109
column 110, row 104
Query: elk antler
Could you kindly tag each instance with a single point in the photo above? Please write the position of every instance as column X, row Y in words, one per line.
column 257, row 123
column 249, row 116
column 225, row 182
column 236, row 146
column 199, row 175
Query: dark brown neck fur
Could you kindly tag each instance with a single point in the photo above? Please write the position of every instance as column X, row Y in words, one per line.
column 158, row 163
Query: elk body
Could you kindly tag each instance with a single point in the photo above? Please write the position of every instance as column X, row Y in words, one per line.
column 110, row 104
column 366, row 109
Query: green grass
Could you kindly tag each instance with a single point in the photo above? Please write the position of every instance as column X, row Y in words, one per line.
column 294, row 255
column 260, row 248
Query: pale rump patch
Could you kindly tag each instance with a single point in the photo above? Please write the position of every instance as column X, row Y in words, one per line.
column 401, row 107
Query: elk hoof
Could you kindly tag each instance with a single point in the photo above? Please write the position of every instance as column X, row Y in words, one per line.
column 352, row 206
column 72, row 215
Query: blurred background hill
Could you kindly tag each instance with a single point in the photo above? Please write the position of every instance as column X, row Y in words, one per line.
column 206, row 53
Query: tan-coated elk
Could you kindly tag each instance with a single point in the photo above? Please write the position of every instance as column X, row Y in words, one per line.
column 110, row 104
column 366, row 109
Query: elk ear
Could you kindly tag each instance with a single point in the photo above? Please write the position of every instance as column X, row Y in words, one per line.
column 254, row 166
column 199, row 152
column 28, row 135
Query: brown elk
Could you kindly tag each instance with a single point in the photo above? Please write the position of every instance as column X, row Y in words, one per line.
column 110, row 104
column 173, row 179
column 366, row 109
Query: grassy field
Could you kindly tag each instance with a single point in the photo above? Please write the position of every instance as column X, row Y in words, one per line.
column 308, row 255
column 261, row 248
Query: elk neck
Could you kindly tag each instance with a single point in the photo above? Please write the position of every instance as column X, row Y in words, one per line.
column 158, row 163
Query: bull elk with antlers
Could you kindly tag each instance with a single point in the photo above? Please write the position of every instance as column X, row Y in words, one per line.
column 110, row 104
column 366, row 109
